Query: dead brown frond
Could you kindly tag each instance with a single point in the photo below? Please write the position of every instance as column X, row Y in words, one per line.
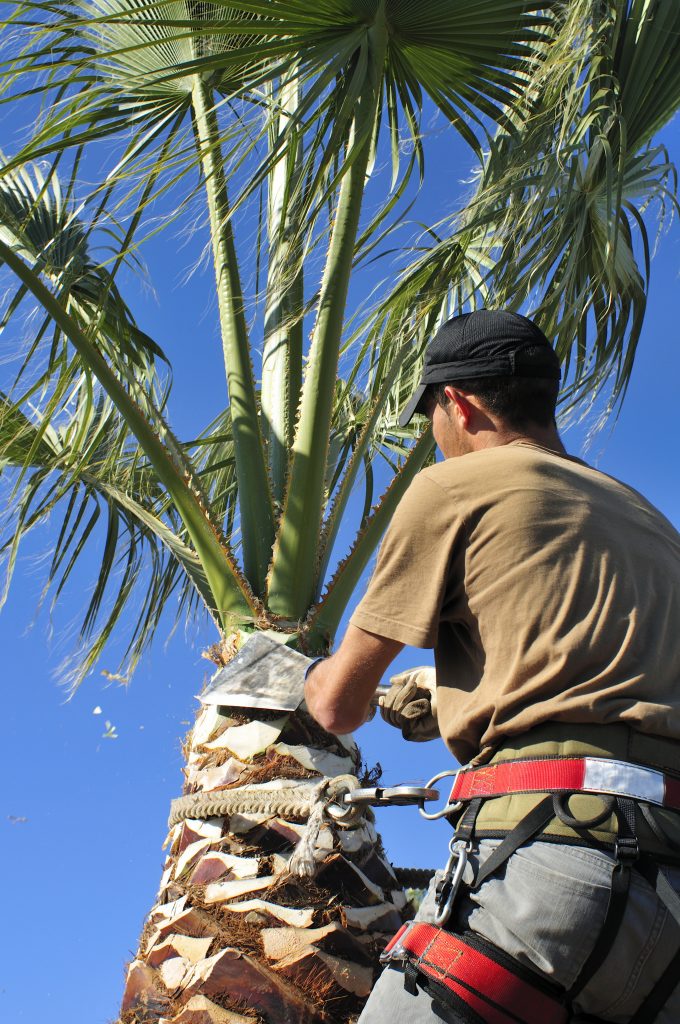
column 222, row 652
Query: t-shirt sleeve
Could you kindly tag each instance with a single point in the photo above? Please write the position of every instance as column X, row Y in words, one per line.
column 408, row 587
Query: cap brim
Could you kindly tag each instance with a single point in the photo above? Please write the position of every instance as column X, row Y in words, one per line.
column 409, row 411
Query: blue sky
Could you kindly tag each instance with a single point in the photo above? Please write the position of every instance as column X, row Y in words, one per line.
column 83, row 814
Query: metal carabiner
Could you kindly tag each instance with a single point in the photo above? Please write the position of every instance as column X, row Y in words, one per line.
column 450, row 883
column 393, row 796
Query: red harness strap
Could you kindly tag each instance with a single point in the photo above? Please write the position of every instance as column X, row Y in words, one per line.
column 570, row 775
column 496, row 994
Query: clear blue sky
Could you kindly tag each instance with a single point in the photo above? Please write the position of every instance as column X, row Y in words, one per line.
column 83, row 816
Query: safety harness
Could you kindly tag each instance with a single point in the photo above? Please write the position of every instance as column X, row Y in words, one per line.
column 479, row 982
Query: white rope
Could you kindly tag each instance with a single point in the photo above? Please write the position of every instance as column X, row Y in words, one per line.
column 303, row 863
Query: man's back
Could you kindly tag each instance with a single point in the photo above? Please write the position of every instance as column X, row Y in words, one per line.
column 550, row 591
column 550, row 594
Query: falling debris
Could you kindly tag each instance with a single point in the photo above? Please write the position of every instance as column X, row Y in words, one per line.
column 110, row 733
column 97, row 710
column 16, row 819
column 115, row 677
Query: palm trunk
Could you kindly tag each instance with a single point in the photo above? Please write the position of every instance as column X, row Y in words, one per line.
column 239, row 931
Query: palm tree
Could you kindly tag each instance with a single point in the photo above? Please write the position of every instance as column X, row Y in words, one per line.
column 280, row 115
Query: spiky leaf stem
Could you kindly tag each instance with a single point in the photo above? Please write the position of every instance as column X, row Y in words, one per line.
column 251, row 472
column 231, row 594
column 295, row 565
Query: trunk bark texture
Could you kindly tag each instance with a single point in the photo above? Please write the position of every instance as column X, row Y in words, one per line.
column 265, row 912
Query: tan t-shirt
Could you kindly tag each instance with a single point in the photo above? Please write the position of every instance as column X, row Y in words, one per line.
column 549, row 591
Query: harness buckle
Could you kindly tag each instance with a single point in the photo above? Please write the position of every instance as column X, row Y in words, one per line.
column 395, row 948
column 447, row 889
column 627, row 849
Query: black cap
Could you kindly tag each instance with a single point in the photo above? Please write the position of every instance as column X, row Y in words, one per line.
column 485, row 343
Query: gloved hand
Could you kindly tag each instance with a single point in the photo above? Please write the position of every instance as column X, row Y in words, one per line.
column 411, row 704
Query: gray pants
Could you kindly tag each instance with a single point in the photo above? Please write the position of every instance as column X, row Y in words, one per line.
column 546, row 910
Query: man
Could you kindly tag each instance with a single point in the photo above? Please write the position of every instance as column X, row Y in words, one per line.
column 551, row 595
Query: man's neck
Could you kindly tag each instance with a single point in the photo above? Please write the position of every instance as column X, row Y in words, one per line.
column 546, row 437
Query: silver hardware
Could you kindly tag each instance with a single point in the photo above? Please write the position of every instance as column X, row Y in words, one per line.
column 448, row 808
column 394, row 796
column 380, row 691
column 447, row 889
column 397, row 951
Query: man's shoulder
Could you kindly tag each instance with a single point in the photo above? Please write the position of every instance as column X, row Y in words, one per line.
column 482, row 465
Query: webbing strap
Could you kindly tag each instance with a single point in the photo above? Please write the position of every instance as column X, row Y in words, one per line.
column 616, row 905
column 570, row 775
column 447, row 998
column 492, row 990
column 528, row 827
column 653, row 874
column 666, row 984
column 626, row 853
column 465, row 826
column 659, row 832
column 659, row 995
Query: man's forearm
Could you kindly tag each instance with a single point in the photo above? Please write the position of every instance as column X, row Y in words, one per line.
column 338, row 690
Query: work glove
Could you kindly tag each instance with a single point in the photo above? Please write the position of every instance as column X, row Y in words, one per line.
column 411, row 704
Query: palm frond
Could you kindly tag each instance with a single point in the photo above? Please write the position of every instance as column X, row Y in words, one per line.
column 110, row 503
column 563, row 206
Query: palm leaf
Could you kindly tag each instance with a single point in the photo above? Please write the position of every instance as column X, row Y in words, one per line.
column 143, row 548
column 80, row 319
column 561, row 211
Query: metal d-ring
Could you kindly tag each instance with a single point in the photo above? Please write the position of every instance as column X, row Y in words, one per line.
column 449, row 808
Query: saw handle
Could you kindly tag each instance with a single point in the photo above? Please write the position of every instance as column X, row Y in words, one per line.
column 380, row 691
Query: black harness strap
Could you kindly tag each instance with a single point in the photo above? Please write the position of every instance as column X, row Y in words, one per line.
column 528, row 827
column 411, row 978
column 653, row 874
column 449, row 1006
column 656, row 1000
column 659, row 832
column 666, row 984
column 627, row 852
column 465, row 827
column 616, row 906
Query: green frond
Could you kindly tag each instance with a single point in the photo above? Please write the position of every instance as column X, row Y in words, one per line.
column 563, row 206
column 324, row 617
column 230, row 593
column 111, row 506
column 278, row 113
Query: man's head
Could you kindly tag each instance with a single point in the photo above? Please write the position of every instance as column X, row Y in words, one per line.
column 490, row 372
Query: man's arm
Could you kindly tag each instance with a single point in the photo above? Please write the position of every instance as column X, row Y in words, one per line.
column 338, row 690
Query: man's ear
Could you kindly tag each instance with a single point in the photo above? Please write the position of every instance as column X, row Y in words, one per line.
column 462, row 406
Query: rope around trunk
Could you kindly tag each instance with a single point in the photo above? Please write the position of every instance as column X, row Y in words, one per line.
column 307, row 801
column 297, row 801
